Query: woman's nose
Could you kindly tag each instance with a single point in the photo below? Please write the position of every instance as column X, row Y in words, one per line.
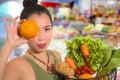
column 41, row 36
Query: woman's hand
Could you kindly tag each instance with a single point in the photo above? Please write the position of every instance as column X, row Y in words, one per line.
column 12, row 33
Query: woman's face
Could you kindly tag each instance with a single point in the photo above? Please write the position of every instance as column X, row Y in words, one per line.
column 42, row 40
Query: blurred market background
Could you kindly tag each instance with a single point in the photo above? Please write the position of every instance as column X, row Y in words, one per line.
column 69, row 18
column 98, row 18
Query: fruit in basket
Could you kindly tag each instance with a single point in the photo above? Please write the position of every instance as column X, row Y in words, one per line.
column 28, row 29
column 85, row 69
column 85, row 76
column 64, row 69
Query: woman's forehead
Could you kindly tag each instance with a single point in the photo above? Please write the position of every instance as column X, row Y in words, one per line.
column 41, row 20
column 39, row 17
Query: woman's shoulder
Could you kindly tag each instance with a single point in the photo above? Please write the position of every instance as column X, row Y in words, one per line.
column 15, row 68
column 57, row 54
column 18, row 67
column 16, row 60
column 17, row 63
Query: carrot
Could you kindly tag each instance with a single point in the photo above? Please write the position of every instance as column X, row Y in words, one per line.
column 85, row 53
column 71, row 63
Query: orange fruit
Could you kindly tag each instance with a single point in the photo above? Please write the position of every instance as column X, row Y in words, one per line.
column 85, row 76
column 28, row 29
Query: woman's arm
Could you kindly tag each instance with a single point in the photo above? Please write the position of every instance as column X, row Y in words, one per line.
column 13, row 40
column 4, row 55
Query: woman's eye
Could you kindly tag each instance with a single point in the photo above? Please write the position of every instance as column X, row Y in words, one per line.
column 47, row 29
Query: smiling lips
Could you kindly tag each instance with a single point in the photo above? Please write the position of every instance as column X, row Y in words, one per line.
column 41, row 46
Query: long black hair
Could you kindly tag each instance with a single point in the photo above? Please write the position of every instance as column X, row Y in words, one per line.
column 31, row 7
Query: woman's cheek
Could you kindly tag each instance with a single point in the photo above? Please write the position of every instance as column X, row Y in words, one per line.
column 49, row 36
column 32, row 42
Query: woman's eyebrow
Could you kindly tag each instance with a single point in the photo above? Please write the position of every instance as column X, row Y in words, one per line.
column 47, row 26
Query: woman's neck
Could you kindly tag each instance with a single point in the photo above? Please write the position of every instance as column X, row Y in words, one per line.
column 43, row 59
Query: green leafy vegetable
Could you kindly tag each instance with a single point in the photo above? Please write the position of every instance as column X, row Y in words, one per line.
column 116, row 53
column 114, row 63
column 110, row 62
column 107, row 57
column 95, row 47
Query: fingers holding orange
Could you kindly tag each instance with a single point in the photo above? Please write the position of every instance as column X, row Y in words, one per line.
column 28, row 29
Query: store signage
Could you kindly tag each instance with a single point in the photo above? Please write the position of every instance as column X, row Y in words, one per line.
column 58, row 1
column 65, row 0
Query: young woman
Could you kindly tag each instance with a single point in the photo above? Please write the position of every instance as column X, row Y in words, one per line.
column 38, row 62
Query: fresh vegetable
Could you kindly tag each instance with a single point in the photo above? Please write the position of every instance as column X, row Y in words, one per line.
column 85, row 76
column 64, row 69
column 106, row 29
column 107, row 57
column 95, row 47
column 85, row 52
column 98, row 28
column 116, row 53
column 84, row 69
column 74, row 53
column 113, row 64
column 88, row 27
column 111, row 61
column 103, row 58
column 71, row 63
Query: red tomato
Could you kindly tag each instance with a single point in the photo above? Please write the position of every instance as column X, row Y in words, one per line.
column 83, row 71
column 92, row 72
column 78, row 72
column 81, row 68
column 86, row 67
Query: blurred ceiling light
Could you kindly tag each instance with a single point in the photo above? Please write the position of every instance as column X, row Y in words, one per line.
column 14, row 8
column 39, row 1
column 111, row 2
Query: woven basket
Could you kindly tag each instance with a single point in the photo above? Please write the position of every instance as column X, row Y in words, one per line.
column 110, row 76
